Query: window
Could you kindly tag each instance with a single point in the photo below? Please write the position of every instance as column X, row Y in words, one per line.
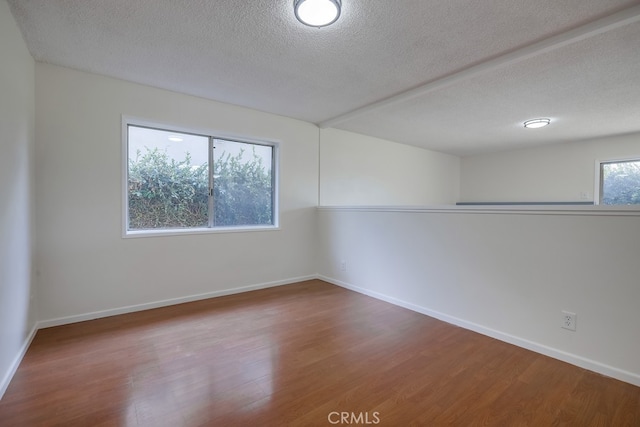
column 619, row 182
column 177, row 181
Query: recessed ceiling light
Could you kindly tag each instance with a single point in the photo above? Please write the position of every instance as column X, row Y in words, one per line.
column 317, row 13
column 536, row 123
column 174, row 138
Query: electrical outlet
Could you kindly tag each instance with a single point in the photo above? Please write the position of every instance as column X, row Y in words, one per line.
column 569, row 320
column 343, row 265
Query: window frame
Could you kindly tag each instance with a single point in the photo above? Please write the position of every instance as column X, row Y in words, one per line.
column 597, row 191
column 212, row 135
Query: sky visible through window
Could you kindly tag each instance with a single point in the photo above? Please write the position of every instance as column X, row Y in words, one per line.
column 176, row 145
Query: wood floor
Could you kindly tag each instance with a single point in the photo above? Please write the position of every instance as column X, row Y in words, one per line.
column 305, row 354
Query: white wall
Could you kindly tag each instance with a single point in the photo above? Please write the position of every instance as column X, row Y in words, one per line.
column 507, row 275
column 85, row 265
column 360, row 170
column 556, row 173
column 17, row 314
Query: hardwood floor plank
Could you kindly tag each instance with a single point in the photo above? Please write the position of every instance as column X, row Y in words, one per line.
column 297, row 355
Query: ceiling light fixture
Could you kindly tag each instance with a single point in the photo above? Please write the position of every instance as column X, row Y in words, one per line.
column 317, row 13
column 536, row 123
column 174, row 138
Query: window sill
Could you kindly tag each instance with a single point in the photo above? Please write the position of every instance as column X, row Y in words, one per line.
column 182, row 232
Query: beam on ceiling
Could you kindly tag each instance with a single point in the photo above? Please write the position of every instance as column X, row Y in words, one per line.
column 599, row 26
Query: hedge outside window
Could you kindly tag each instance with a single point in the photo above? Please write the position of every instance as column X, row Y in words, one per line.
column 182, row 181
column 620, row 182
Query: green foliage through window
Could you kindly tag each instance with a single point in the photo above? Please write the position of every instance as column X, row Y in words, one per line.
column 620, row 183
column 168, row 190
column 241, row 191
column 164, row 193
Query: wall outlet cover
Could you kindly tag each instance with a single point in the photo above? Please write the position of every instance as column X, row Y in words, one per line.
column 568, row 320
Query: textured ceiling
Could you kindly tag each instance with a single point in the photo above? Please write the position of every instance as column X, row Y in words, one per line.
column 455, row 76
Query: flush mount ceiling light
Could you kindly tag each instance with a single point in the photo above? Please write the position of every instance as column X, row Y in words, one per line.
column 175, row 138
column 536, row 123
column 317, row 13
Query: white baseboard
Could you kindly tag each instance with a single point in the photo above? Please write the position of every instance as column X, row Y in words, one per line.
column 573, row 359
column 8, row 376
column 6, row 379
column 591, row 365
column 164, row 303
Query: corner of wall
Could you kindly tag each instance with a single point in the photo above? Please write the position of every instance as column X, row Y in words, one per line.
column 17, row 121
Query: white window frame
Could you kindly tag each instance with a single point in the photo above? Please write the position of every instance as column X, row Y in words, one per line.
column 597, row 190
column 133, row 121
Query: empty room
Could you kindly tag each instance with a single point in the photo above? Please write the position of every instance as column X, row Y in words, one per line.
column 319, row 212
